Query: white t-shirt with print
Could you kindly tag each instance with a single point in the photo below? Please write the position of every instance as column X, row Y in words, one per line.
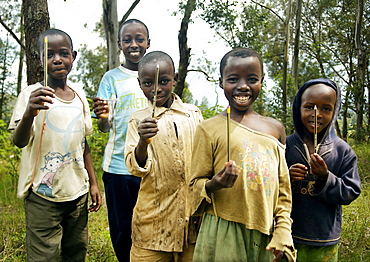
column 52, row 163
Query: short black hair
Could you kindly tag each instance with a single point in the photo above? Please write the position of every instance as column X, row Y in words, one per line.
column 155, row 56
column 51, row 31
column 130, row 21
column 240, row 52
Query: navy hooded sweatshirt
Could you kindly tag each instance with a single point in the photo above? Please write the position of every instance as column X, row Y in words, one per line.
column 317, row 205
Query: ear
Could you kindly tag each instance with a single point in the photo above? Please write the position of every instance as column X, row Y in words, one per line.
column 263, row 78
column 74, row 55
column 176, row 77
column 220, row 83
column 119, row 45
column 148, row 44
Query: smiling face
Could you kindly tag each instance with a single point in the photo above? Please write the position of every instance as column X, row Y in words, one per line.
column 134, row 43
column 242, row 80
column 165, row 84
column 60, row 56
column 324, row 97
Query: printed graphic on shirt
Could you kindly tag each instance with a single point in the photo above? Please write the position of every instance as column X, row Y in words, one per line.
column 68, row 143
column 257, row 166
column 305, row 186
column 53, row 162
column 129, row 102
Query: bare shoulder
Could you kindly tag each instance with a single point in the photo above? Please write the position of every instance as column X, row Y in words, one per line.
column 270, row 126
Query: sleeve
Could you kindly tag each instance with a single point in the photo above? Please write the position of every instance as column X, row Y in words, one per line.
column 132, row 138
column 282, row 236
column 344, row 187
column 20, row 106
column 201, row 171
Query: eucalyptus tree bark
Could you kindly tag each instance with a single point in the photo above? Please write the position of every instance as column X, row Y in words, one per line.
column 110, row 19
column 296, row 43
column 285, row 62
column 21, row 59
column 36, row 20
column 184, row 50
column 361, row 71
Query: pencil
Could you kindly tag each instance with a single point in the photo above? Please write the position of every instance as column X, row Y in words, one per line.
column 155, row 95
column 315, row 129
column 228, row 132
column 155, row 89
column 46, row 60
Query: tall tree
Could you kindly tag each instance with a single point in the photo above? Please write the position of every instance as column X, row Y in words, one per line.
column 110, row 19
column 36, row 20
column 111, row 26
column 361, row 71
column 297, row 34
column 184, row 50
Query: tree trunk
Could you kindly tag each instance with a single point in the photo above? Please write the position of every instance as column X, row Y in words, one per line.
column 36, row 20
column 184, row 50
column 296, row 43
column 110, row 19
column 21, row 59
column 285, row 62
column 345, row 121
column 361, row 63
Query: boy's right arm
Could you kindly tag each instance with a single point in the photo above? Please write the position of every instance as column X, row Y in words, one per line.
column 101, row 110
column 147, row 129
column 36, row 102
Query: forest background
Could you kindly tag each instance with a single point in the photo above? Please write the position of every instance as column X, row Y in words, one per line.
column 298, row 40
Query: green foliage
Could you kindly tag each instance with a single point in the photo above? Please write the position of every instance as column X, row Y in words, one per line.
column 355, row 245
column 97, row 144
column 7, row 86
column 91, row 67
column 9, row 162
column 209, row 112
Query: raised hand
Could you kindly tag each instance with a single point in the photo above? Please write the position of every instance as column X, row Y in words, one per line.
column 100, row 107
column 297, row 172
column 224, row 179
column 318, row 167
column 38, row 101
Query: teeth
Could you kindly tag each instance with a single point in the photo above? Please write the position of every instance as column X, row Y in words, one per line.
column 242, row 99
column 135, row 53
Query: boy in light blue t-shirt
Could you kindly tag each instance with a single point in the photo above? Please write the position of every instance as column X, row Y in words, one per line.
column 118, row 97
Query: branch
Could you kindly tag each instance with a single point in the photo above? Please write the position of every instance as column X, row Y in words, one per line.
column 268, row 8
column 208, row 78
column 12, row 33
column 129, row 11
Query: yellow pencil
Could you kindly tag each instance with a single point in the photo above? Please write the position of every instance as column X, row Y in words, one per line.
column 46, row 60
column 315, row 129
column 228, row 132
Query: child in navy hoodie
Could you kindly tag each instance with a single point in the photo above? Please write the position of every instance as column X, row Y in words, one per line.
column 324, row 174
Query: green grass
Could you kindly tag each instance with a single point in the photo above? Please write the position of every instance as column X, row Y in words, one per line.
column 354, row 246
column 355, row 243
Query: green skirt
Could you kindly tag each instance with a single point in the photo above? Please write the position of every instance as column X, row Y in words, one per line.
column 307, row 253
column 222, row 240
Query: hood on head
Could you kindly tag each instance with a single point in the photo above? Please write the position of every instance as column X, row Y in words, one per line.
column 298, row 125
